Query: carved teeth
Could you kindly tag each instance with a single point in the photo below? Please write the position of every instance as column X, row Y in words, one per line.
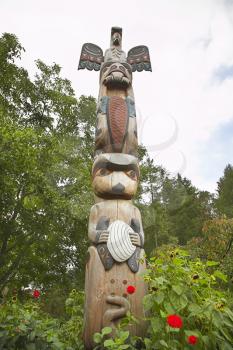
column 117, row 77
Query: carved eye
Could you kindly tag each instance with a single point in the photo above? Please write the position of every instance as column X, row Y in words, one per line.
column 132, row 174
column 105, row 67
column 103, row 172
column 122, row 69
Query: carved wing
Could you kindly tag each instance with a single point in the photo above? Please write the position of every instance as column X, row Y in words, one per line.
column 139, row 58
column 91, row 57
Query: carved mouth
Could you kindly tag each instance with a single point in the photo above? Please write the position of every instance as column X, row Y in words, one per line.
column 117, row 78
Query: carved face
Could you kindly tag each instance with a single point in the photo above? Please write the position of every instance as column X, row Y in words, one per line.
column 116, row 74
column 116, row 39
column 115, row 178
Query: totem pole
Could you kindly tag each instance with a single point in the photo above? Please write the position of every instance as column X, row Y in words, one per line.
column 115, row 259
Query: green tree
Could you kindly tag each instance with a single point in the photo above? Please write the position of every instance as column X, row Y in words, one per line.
column 175, row 210
column 46, row 138
column 224, row 201
column 216, row 243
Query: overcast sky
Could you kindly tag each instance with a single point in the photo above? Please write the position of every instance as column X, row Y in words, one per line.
column 185, row 106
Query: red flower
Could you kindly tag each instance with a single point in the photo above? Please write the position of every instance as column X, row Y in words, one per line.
column 131, row 289
column 174, row 321
column 192, row 339
column 36, row 293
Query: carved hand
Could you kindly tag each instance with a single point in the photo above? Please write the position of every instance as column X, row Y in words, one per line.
column 103, row 236
column 135, row 239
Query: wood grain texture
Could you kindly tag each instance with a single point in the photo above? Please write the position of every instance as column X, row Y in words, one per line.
column 99, row 285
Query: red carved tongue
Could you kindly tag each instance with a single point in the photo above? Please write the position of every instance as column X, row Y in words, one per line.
column 117, row 122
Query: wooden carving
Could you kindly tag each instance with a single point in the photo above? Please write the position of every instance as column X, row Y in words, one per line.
column 115, row 258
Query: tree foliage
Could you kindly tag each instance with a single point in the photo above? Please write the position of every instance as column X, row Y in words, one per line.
column 216, row 244
column 224, row 201
column 46, row 137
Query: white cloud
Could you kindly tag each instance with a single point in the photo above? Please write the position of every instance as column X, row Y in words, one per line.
column 188, row 41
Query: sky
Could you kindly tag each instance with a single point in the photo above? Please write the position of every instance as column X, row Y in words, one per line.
column 185, row 106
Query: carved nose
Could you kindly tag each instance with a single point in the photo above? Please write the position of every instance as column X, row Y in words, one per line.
column 118, row 189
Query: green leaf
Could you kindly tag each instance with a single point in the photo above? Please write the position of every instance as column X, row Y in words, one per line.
column 168, row 307
column 148, row 302
column 163, row 314
column 195, row 308
column 148, row 343
column 106, row 330
column 156, row 324
column 205, row 339
column 97, row 338
column 163, row 343
column 159, row 297
column 220, row 275
column 212, row 263
column 109, row 342
column 183, row 301
column 178, row 289
column 124, row 335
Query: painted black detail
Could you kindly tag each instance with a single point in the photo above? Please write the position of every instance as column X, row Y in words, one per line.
column 133, row 261
column 135, row 225
column 118, row 189
column 103, row 223
column 105, row 256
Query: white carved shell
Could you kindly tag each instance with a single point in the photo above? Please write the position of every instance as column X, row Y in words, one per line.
column 119, row 243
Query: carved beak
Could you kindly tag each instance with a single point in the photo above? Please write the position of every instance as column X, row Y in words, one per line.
column 116, row 41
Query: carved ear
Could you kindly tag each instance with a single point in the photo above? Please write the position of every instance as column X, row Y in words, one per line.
column 91, row 57
column 139, row 58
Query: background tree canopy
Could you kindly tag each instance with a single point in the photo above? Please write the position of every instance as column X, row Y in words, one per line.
column 46, row 154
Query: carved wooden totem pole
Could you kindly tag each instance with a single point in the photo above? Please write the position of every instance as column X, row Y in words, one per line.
column 115, row 227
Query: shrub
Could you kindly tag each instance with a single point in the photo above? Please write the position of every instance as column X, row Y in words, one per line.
column 26, row 327
column 186, row 309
